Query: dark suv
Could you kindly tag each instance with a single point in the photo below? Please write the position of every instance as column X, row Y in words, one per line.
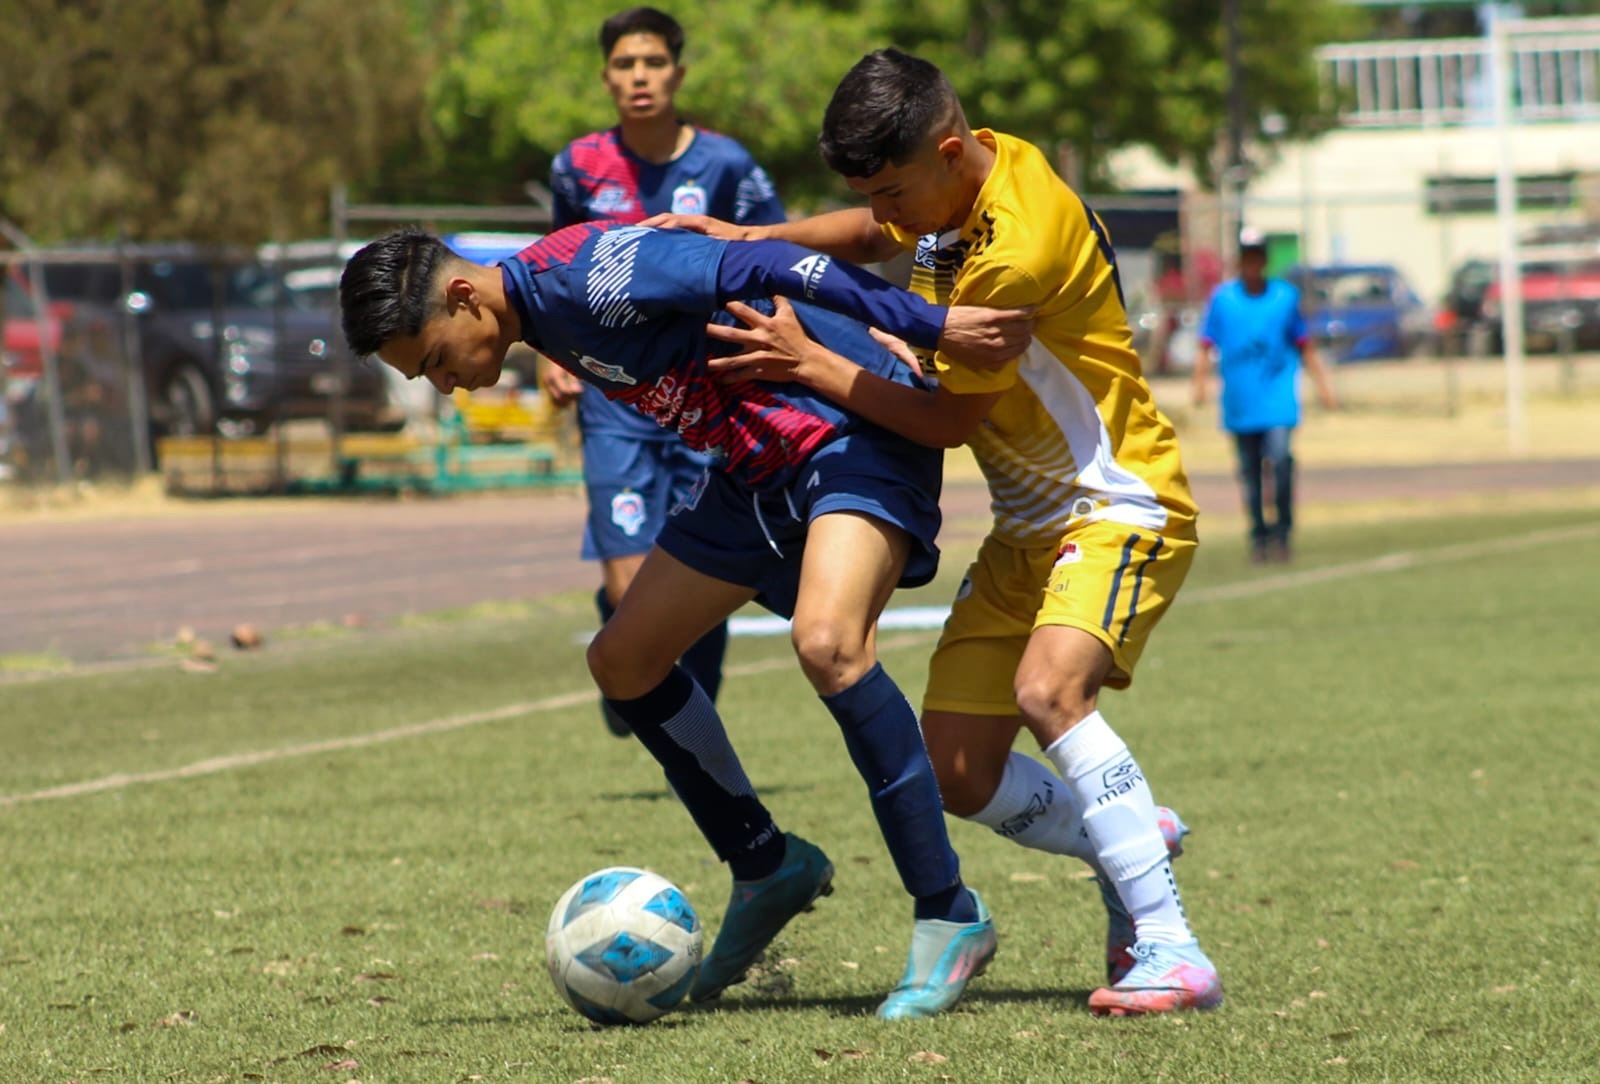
column 224, row 346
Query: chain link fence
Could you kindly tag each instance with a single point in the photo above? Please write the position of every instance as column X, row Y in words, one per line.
column 232, row 361
column 108, row 350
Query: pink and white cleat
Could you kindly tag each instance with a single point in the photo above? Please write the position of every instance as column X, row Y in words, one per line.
column 1164, row 978
column 1120, row 934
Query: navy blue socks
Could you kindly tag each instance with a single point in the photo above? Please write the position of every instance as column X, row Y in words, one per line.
column 677, row 722
column 880, row 730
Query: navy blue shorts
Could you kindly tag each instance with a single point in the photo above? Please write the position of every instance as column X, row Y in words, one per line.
column 633, row 485
column 755, row 538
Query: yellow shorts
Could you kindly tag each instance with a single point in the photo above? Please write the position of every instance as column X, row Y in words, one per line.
column 1108, row 579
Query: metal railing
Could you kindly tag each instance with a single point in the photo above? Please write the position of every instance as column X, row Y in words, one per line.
column 1448, row 81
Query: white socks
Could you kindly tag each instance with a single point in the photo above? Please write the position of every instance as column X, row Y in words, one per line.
column 1035, row 808
column 1120, row 819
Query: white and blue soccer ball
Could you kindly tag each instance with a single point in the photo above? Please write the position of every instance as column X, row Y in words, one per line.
column 623, row 946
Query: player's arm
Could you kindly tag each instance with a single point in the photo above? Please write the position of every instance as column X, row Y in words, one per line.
column 777, row 348
column 1200, row 384
column 1210, row 334
column 566, row 200
column 1311, row 358
column 972, row 336
column 846, row 235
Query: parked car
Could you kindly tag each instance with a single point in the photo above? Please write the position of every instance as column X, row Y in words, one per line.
column 1560, row 304
column 223, row 346
column 1460, row 318
column 1359, row 312
column 94, row 411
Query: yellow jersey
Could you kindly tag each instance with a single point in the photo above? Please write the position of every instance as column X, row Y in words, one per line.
column 1076, row 437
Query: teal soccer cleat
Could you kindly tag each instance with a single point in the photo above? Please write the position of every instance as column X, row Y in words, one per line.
column 757, row 910
column 1120, row 934
column 945, row 956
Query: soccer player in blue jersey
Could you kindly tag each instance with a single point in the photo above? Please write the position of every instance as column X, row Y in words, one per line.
column 651, row 161
column 808, row 509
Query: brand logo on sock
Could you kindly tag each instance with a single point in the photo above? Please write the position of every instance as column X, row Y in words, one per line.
column 1119, row 780
column 1020, row 822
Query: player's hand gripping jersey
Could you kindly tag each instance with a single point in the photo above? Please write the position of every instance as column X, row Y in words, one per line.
column 625, row 309
column 1077, row 436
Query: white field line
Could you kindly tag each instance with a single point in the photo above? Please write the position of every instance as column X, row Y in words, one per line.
column 1392, row 562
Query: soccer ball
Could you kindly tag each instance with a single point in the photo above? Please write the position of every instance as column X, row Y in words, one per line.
column 623, row 946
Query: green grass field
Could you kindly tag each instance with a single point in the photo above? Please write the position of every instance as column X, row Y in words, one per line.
column 1389, row 755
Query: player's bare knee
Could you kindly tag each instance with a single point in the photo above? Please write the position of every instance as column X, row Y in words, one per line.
column 1048, row 700
column 832, row 657
column 619, row 672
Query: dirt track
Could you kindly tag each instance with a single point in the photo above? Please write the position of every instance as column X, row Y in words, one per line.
column 111, row 588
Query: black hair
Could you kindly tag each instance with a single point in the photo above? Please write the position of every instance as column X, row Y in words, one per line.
column 641, row 21
column 882, row 111
column 386, row 291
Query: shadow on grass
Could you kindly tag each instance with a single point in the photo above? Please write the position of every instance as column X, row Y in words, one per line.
column 662, row 794
column 867, row 1005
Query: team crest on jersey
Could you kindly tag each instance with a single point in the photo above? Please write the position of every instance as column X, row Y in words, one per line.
column 927, row 244
column 613, row 373
column 611, row 199
column 811, row 269
column 627, row 512
column 688, row 199
column 1069, row 554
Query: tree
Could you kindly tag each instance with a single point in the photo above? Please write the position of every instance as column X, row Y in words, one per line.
column 1097, row 76
column 211, row 120
column 518, row 79
column 521, row 77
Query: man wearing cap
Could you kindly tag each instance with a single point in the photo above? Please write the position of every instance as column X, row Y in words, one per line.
column 1255, row 332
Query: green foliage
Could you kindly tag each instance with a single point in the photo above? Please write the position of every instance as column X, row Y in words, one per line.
column 230, row 119
column 1093, row 76
column 218, row 120
column 1089, row 76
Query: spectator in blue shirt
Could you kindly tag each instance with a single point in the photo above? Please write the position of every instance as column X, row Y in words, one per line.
column 1256, row 334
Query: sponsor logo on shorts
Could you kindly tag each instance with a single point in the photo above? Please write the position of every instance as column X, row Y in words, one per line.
column 811, row 269
column 614, row 373
column 691, row 499
column 627, row 512
column 688, row 199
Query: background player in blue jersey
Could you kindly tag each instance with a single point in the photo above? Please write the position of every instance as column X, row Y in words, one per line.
column 652, row 161
column 810, row 510
column 1254, row 327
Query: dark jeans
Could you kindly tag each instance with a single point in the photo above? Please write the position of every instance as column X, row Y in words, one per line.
column 1256, row 451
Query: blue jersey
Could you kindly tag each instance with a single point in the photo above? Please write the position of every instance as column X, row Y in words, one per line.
column 598, row 179
column 1258, row 339
column 625, row 309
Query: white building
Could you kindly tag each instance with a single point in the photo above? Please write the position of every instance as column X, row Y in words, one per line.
column 1408, row 177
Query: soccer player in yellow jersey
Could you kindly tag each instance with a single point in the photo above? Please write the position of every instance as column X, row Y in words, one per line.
column 1094, row 525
